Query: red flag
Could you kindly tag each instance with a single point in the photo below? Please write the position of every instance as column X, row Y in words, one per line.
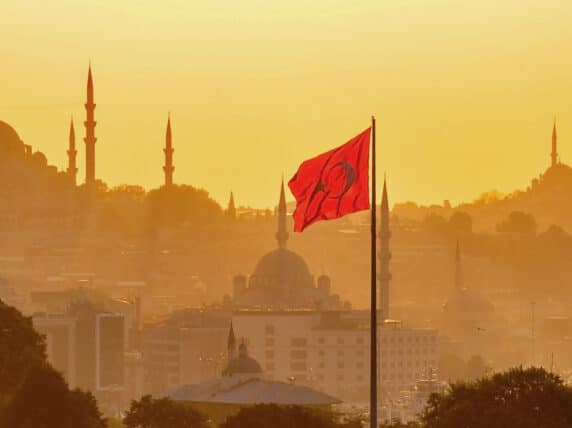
column 332, row 184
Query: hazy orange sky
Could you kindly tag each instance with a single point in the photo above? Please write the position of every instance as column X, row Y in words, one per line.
column 464, row 91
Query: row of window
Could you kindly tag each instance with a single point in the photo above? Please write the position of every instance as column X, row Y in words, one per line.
column 423, row 363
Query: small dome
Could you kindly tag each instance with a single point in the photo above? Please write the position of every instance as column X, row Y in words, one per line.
column 10, row 141
column 283, row 269
column 243, row 364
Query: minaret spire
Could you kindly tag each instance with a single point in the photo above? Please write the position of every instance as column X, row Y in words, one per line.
column 72, row 152
column 90, row 139
column 231, row 209
column 231, row 343
column 554, row 155
column 458, row 268
column 168, row 168
column 282, row 234
column 384, row 255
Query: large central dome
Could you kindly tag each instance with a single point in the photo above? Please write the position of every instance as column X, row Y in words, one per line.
column 10, row 142
column 282, row 268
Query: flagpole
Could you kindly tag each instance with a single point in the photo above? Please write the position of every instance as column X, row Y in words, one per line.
column 373, row 293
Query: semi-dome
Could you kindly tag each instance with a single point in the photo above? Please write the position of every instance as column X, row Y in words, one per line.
column 282, row 268
column 10, row 141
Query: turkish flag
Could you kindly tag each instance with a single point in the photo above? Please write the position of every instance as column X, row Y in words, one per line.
column 332, row 184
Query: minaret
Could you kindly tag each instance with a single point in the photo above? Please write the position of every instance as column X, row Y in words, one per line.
column 384, row 256
column 458, row 269
column 554, row 155
column 90, row 133
column 168, row 168
column 72, row 152
column 231, row 210
column 282, row 234
column 231, row 343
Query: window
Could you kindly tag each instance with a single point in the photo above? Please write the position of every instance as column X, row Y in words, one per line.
column 321, row 365
column 320, row 377
column 298, row 366
column 340, row 378
column 359, row 340
column 340, row 353
column 359, row 378
column 298, row 354
column 341, row 365
column 360, row 365
column 340, row 340
column 269, row 342
column 321, row 353
column 269, row 355
column 321, row 340
column 269, row 329
column 270, row 366
column 298, row 341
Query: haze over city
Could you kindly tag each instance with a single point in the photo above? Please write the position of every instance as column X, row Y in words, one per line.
column 251, row 214
column 461, row 90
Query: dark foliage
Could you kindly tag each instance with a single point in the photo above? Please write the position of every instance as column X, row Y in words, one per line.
column 21, row 348
column 518, row 398
column 162, row 413
column 271, row 415
column 44, row 401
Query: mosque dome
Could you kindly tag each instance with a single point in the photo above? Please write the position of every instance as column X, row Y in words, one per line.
column 284, row 269
column 242, row 364
column 10, row 142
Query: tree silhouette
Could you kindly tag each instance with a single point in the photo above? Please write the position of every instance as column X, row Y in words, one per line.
column 162, row 413
column 272, row 415
column 518, row 398
column 44, row 401
column 21, row 348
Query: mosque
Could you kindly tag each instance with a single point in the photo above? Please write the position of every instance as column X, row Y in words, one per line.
column 282, row 279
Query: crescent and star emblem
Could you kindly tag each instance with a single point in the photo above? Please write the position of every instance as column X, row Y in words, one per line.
column 328, row 188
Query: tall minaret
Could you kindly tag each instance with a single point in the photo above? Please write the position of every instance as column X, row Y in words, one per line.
column 90, row 133
column 554, row 155
column 458, row 268
column 231, row 209
column 231, row 343
column 168, row 168
column 282, row 234
column 384, row 255
column 72, row 152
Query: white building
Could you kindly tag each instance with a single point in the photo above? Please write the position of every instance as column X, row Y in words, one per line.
column 329, row 350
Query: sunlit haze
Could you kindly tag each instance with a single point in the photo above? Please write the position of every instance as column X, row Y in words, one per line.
column 464, row 92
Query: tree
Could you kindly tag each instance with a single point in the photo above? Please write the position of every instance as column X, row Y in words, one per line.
column 272, row 415
column 162, row 413
column 45, row 401
column 461, row 223
column 22, row 348
column 518, row 223
column 518, row 398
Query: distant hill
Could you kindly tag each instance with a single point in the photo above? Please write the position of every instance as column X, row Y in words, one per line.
column 547, row 199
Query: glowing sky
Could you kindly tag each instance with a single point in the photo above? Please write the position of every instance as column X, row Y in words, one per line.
column 464, row 91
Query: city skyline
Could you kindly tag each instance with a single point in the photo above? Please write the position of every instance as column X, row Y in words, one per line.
column 490, row 100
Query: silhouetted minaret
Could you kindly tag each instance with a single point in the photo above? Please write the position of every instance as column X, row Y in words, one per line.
column 168, row 168
column 458, row 268
column 90, row 133
column 282, row 234
column 384, row 255
column 231, row 343
column 554, row 155
column 72, row 152
column 231, row 210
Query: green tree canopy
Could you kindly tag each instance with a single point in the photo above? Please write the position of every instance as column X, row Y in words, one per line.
column 518, row 398
column 45, row 401
column 162, row 413
column 21, row 348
